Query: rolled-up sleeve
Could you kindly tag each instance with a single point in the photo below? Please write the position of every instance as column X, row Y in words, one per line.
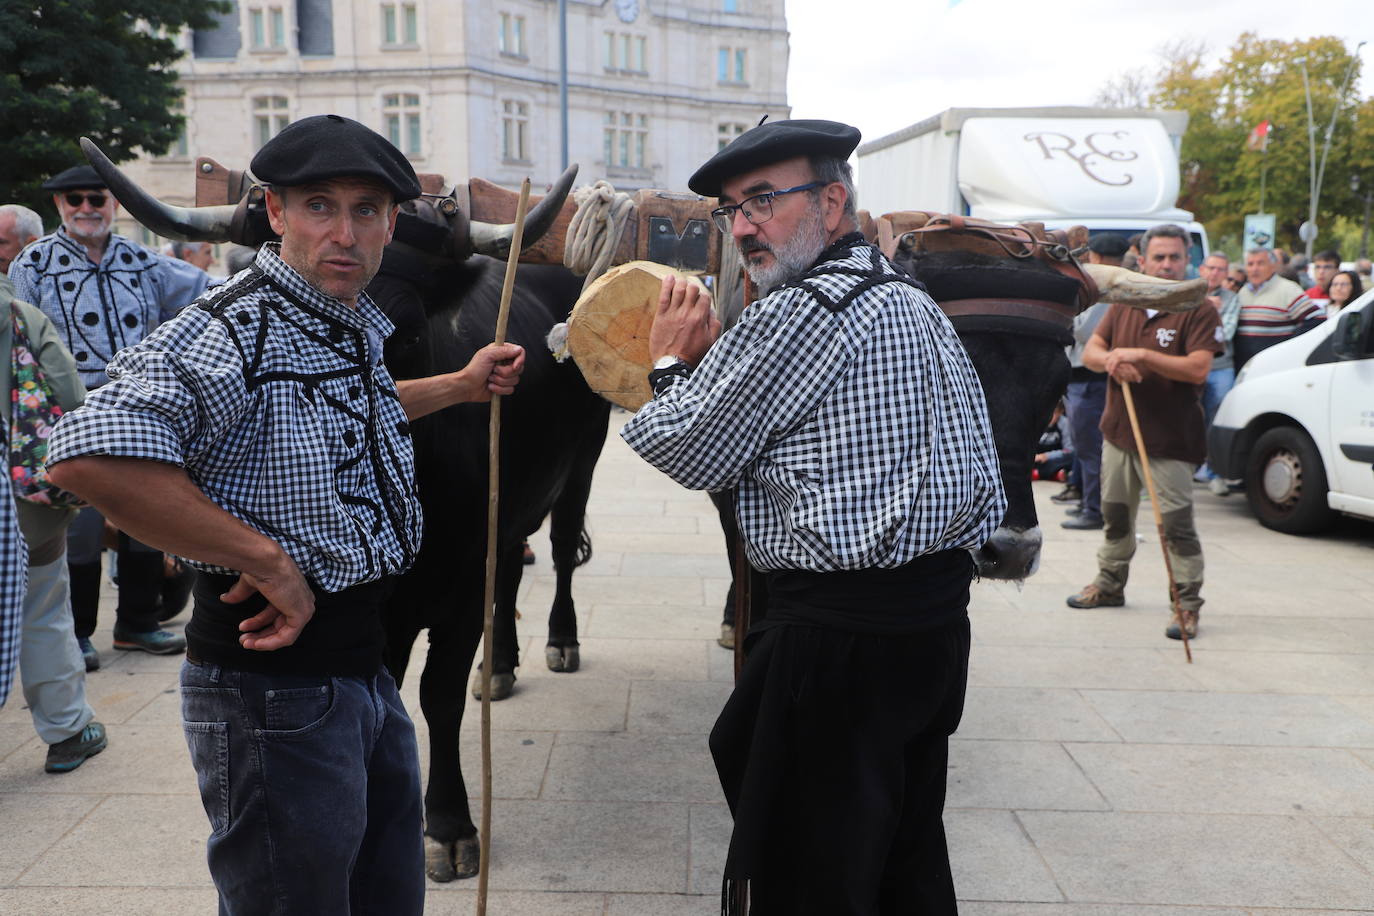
column 749, row 390
column 170, row 398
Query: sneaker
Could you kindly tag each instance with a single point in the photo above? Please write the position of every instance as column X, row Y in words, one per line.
column 1069, row 494
column 65, row 756
column 1219, row 487
column 88, row 653
column 1092, row 596
column 158, row 642
column 1082, row 523
column 526, row 554
column 1074, row 510
column 1189, row 625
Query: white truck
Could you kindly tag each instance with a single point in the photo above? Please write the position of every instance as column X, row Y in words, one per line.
column 1111, row 170
column 1298, row 427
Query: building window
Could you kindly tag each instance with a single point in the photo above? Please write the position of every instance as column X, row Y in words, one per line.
column 515, row 122
column 270, row 115
column 401, row 115
column 510, row 40
column 400, row 24
column 266, row 28
column 730, row 65
column 182, row 147
column 625, row 138
column 626, row 53
column 726, row 133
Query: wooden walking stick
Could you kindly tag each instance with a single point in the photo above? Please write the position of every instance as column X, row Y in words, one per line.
column 489, row 597
column 1159, row 516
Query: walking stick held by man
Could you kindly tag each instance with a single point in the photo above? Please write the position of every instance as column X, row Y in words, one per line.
column 489, row 597
column 1159, row 516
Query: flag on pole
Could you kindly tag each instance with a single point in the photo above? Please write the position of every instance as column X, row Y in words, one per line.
column 1259, row 138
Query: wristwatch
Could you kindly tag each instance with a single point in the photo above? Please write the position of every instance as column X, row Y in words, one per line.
column 666, row 368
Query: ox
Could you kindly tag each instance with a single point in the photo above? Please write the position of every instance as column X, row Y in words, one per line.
column 442, row 291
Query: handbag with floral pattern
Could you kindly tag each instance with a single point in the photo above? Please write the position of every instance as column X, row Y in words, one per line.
column 34, row 412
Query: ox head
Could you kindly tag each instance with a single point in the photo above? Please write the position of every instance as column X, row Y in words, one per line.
column 1012, row 300
column 436, row 223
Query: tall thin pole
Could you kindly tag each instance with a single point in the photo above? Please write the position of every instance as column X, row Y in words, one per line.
column 1264, row 168
column 1331, row 125
column 493, row 517
column 563, row 79
column 1311, row 156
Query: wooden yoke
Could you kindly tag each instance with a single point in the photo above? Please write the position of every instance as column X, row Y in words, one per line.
column 666, row 227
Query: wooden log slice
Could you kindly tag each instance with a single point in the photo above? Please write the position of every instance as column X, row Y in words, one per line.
column 608, row 331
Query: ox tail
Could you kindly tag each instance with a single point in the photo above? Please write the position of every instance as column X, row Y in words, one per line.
column 583, row 556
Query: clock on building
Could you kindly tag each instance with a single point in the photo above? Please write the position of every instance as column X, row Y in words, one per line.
column 628, row 9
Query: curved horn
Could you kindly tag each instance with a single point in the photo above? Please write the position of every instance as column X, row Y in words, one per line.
column 1117, row 284
column 185, row 224
column 494, row 239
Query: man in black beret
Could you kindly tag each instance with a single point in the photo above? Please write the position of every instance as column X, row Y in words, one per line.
column 278, row 450
column 847, row 418
column 103, row 292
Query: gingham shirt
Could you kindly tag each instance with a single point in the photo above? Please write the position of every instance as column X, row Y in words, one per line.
column 846, row 411
column 14, row 559
column 274, row 399
column 101, row 308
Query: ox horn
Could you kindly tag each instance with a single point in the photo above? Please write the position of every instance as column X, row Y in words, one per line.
column 1117, row 284
column 184, row 224
column 493, row 239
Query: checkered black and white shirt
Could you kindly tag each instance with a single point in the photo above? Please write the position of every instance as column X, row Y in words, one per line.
column 14, row 560
column 274, row 399
column 846, row 411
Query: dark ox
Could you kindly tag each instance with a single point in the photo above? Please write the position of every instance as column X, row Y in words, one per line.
column 443, row 294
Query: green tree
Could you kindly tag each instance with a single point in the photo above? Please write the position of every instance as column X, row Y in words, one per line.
column 95, row 68
column 1261, row 80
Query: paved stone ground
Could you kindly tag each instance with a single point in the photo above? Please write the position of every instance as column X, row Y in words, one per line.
column 1096, row 774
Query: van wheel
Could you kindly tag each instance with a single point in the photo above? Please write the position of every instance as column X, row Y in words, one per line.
column 1286, row 483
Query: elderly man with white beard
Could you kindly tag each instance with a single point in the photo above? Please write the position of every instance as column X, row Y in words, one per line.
column 848, row 419
column 104, row 292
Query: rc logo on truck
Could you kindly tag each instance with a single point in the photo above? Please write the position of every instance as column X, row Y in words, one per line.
column 1091, row 156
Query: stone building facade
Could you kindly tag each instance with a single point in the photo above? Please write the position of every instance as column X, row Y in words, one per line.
column 472, row 88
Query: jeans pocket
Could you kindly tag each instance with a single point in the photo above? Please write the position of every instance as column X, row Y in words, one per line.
column 297, row 710
column 209, row 746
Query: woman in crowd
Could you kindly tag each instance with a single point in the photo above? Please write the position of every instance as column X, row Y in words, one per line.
column 1344, row 288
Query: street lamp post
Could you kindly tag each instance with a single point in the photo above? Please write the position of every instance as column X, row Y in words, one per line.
column 1315, row 173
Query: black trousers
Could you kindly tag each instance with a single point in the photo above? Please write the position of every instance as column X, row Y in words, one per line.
column 832, row 753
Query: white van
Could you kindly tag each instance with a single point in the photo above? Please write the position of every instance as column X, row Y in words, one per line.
column 1298, row 427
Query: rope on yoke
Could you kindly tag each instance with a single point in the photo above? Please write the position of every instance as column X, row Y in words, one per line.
column 595, row 231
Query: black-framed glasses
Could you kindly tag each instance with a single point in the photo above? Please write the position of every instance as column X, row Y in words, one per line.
column 95, row 200
column 757, row 209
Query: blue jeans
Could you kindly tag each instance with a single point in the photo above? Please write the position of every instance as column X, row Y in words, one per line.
column 1219, row 381
column 1086, row 400
column 312, row 787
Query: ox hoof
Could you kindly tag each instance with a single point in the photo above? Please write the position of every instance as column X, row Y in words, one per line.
column 502, row 685
column 726, row 639
column 449, row 861
column 566, row 659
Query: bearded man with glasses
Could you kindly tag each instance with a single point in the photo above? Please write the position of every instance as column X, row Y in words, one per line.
column 849, row 421
column 104, row 292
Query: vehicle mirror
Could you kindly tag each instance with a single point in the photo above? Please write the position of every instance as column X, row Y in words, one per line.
column 1348, row 338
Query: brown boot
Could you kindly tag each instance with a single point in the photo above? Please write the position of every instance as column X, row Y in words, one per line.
column 1189, row 626
column 1092, row 596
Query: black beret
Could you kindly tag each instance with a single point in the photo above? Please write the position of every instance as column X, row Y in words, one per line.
column 324, row 147
column 772, row 142
column 1109, row 245
column 78, row 176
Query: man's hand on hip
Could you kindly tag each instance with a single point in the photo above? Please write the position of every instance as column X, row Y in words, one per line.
column 684, row 325
column 290, row 605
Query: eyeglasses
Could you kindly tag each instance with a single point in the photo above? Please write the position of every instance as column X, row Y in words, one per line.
column 95, row 200
column 757, row 209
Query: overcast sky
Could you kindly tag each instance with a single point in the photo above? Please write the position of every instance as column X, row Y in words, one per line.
column 884, row 64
